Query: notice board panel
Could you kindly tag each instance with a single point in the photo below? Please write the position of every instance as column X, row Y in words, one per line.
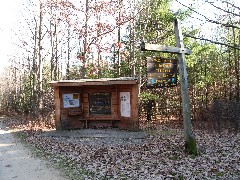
column 71, row 100
column 100, row 103
column 125, row 104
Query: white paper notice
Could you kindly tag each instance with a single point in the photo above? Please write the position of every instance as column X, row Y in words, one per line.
column 125, row 104
column 70, row 100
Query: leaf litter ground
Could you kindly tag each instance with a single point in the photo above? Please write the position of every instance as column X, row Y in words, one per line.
column 158, row 154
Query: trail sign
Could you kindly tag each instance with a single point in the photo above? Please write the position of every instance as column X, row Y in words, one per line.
column 161, row 72
column 190, row 140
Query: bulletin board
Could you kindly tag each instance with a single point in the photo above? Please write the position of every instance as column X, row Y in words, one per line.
column 99, row 103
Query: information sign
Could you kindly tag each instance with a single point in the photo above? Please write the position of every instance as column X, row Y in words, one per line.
column 99, row 103
column 71, row 100
column 161, row 72
column 125, row 104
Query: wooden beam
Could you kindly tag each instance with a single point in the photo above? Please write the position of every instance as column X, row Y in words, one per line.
column 57, row 108
column 92, row 83
column 164, row 49
column 190, row 141
column 134, row 107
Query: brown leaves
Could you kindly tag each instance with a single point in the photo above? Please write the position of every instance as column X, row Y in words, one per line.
column 161, row 155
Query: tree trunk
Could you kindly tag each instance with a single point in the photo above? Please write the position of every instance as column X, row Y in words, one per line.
column 34, row 74
column 236, row 65
column 40, row 66
column 85, row 41
column 68, row 54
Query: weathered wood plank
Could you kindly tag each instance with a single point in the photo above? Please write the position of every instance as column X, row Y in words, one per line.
column 85, row 95
column 57, row 108
column 164, row 49
column 91, row 83
column 134, row 107
column 102, row 118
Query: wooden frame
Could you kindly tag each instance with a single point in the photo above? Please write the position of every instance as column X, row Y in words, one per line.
column 81, row 117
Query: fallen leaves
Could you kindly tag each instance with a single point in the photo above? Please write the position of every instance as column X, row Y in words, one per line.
column 156, row 157
column 159, row 156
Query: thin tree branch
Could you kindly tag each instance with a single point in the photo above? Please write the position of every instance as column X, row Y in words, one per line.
column 226, row 11
column 207, row 19
column 214, row 42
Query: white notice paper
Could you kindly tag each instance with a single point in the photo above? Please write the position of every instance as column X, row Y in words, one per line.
column 125, row 104
column 71, row 100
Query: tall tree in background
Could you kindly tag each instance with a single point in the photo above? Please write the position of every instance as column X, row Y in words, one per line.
column 57, row 34
column 40, row 63
column 154, row 24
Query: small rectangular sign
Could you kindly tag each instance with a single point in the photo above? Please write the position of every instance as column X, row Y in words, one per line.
column 71, row 100
column 161, row 72
column 125, row 108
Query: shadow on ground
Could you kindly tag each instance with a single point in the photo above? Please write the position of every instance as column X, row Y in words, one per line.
column 96, row 133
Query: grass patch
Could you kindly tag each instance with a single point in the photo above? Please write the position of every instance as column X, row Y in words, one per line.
column 191, row 146
column 220, row 174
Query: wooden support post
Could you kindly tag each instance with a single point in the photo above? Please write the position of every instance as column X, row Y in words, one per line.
column 57, row 109
column 134, row 107
column 190, row 141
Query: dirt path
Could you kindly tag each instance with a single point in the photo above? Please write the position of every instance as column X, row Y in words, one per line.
column 16, row 161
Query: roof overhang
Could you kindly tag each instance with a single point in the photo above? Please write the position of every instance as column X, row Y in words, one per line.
column 95, row 82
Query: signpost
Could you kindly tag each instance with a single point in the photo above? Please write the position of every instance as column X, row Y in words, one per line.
column 190, row 141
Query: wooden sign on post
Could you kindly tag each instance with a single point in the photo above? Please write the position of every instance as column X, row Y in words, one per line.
column 190, row 140
column 161, row 72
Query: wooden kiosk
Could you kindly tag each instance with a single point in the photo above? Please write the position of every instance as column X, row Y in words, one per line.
column 88, row 103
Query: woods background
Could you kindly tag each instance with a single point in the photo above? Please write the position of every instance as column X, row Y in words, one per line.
column 68, row 39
